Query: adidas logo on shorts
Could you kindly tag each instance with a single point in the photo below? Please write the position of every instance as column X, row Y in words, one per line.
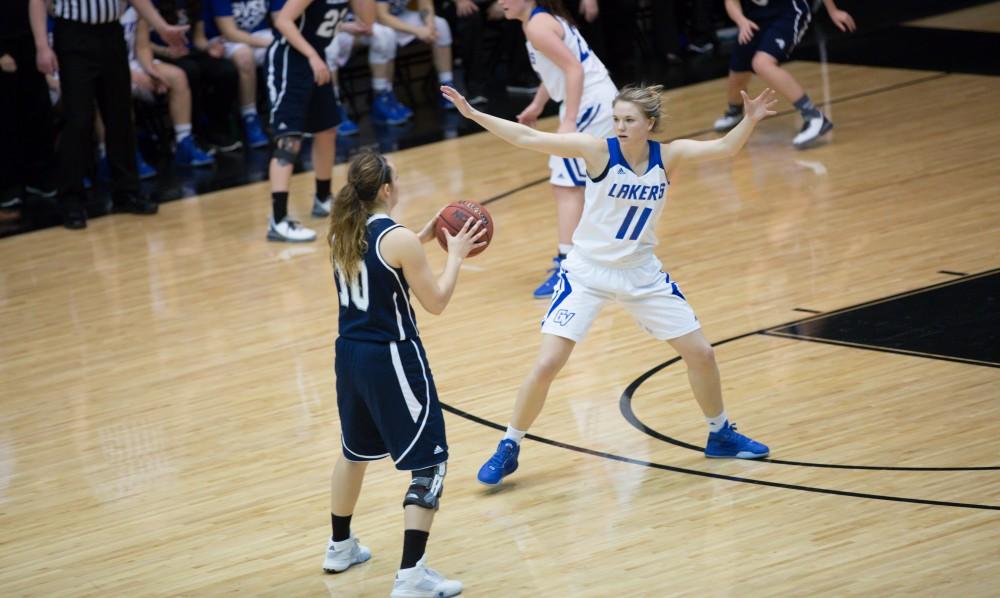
column 438, row 450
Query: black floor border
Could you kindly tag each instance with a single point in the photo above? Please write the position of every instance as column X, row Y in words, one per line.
column 878, row 348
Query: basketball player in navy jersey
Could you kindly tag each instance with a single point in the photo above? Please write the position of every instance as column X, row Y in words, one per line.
column 613, row 260
column 302, row 102
column 769, row 31
column 385, row 392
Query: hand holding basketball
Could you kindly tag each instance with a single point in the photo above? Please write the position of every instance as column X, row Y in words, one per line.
column 464, row 228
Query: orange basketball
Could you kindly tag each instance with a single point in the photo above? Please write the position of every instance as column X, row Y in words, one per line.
column 453, row 218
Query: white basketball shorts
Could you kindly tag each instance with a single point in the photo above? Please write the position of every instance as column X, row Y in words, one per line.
column 646, row 292
column 594, row 118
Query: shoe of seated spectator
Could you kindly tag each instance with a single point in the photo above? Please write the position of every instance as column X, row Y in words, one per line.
column 346, row 126
column 255, row 133
column 134, row 203
column 222, row 143
column 401, row 109
column 383, row 110
column 145, row 170
column 188, row 154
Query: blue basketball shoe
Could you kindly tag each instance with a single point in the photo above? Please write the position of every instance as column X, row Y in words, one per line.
column 727, row 443
column 545, row 290
column 501, row 464
column 347, row 126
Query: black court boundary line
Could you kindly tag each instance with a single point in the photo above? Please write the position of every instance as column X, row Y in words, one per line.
column 880, row 349
column 719, row 476
column 625, row 402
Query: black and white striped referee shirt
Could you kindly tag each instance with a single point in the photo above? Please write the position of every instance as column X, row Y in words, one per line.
column 94, row 12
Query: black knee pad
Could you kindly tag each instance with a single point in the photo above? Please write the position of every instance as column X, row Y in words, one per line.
column 426, row 487
column 286, row 149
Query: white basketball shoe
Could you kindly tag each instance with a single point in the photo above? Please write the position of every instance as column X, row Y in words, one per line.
column 340, row 556
column 422, row 582
column 289, row 231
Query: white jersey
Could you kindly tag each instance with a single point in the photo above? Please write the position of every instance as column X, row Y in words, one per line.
column 594, row 73
column 618, row 225
column 130, row 22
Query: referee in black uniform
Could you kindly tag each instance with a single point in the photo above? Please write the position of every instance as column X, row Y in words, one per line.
column 92, row 61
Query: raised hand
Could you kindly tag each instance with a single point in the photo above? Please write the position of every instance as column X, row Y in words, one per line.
column 760, row 107
column 458, row 100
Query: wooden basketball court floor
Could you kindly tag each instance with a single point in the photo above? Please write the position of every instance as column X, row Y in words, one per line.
column 169, row 419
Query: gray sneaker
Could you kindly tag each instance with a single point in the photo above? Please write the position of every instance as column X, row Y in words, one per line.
column 340, row 556
column 727, row 121
column 422, row 582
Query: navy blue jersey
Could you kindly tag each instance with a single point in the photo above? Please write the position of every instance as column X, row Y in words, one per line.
column 375, row 306
column 773, row 9
column 318, row 22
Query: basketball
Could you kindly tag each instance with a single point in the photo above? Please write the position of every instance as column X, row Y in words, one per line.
column 453, row 218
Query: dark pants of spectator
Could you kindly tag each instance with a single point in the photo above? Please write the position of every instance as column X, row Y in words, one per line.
column 214, row 84
column 25, row 121
column 93, row 64
column 469, row 34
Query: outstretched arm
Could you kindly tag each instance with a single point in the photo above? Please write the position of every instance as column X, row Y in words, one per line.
column 689, row 150
column 565, row 145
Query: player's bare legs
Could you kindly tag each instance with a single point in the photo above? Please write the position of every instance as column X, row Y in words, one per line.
column 703, row 374
column 324, row 145
column 737, row 82
column 569, row 208
column 552, row 357
column 702, row 371
column 343, row 550
column 815, row 124
column 776, row 77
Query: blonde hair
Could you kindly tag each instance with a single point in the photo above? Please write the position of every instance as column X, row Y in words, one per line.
column 354, row 202
column 648, row 99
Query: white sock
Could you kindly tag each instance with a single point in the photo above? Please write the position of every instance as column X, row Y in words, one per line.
column 248, row 110
column 380, row 85
column 102, row 150
column 182, row 131
column 514, row 434
column 445, row 77
column 564, row 248
column 715, row 423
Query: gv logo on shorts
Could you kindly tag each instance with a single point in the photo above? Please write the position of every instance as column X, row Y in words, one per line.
column 563, row 317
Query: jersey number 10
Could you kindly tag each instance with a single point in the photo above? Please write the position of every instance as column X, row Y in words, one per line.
column 356, row 291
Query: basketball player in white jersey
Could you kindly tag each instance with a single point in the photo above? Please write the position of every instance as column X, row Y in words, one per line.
column 574, row 76
column 612, row 258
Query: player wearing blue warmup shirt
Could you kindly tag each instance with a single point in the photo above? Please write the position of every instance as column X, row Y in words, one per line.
column 242, row 28
column 769, row 32
column 613, row 260
column 302, row 102
column 386, row 397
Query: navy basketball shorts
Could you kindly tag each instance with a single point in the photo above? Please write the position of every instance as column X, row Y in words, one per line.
column 777, row 37
column 298, row 105
column 388, row 404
